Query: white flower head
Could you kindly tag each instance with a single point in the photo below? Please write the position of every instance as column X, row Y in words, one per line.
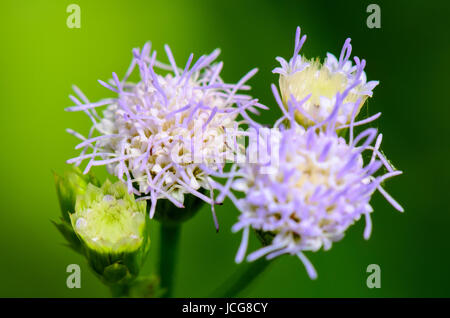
column 158, row 133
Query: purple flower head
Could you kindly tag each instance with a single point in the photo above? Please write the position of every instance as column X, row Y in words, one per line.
column 156, row 134
column 302, row 78
column 319, row 186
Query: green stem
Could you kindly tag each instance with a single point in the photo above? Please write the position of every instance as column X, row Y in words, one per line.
column 170, row 238
column 119, row 290
column 242, row 278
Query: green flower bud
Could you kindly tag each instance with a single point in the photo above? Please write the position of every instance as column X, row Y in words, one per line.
column 112, row 228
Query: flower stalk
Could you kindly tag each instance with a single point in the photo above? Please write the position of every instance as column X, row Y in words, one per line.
column 171, row 219
column 170, row 241
column 244, row 276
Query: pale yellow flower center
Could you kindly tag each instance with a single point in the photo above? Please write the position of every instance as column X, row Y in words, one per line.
column 318, row 81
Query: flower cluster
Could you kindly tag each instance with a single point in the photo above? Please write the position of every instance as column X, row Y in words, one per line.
column 321, row 183
column 158, row 133
column 167, row 135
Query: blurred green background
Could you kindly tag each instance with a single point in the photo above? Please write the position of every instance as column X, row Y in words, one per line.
column 41, row 58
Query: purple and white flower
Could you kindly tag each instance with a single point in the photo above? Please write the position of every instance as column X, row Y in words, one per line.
column 157, row 134
column 301, row 78
column 319, row 187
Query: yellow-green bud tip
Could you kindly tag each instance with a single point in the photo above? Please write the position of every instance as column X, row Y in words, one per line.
column 108, row 219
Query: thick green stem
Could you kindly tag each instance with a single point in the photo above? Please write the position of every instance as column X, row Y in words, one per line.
column 242, row 278
column 119, row 290
column 170, row 238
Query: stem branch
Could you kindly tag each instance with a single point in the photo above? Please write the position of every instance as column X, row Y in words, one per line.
column 242, row 278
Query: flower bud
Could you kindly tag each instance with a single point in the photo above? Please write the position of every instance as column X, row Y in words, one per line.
column 312, row 89
column 112, row 229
